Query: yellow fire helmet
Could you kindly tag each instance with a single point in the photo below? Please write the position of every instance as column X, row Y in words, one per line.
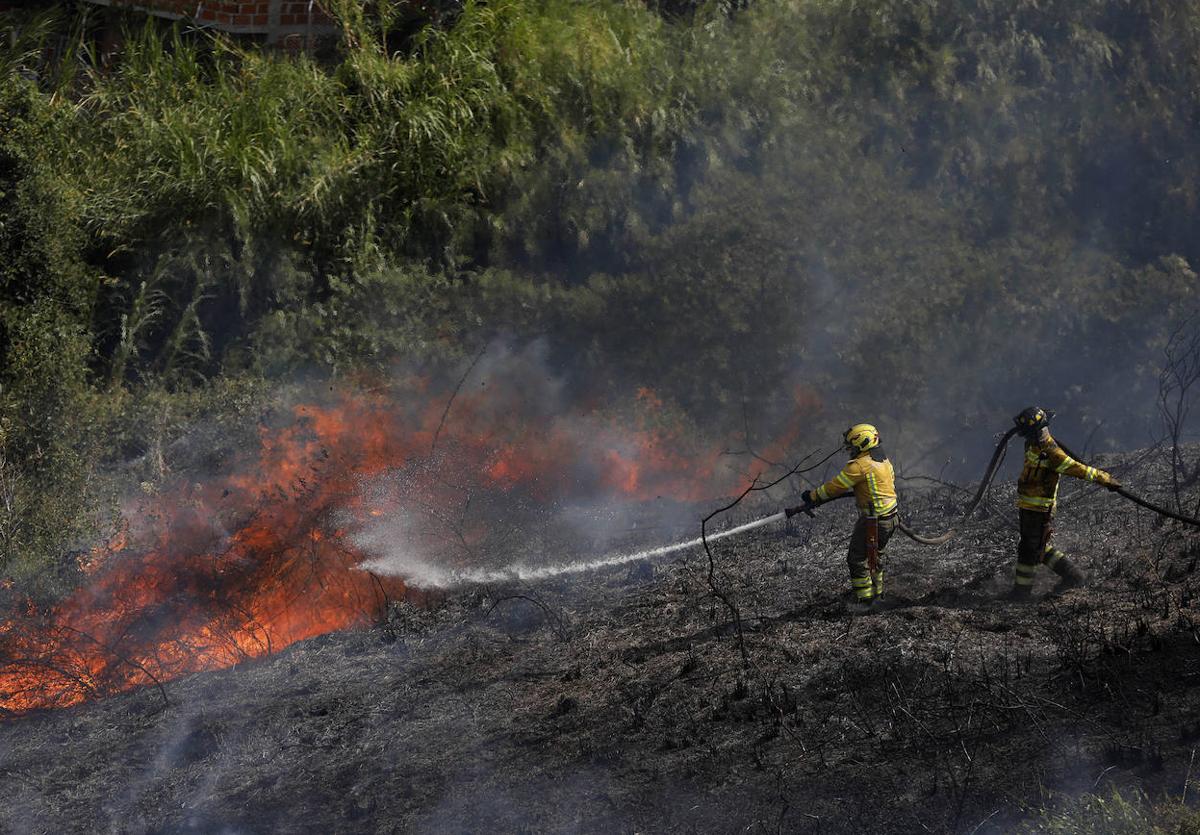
column 861, row 437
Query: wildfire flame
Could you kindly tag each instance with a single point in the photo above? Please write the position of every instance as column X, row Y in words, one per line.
column 205, row 575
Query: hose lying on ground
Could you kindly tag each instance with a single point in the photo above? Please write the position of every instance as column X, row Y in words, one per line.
column 986, row 482
column 941, row 539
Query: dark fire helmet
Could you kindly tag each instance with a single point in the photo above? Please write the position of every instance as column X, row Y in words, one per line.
column 1032, row 420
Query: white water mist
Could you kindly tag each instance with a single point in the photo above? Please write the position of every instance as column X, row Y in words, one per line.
column 426, row 575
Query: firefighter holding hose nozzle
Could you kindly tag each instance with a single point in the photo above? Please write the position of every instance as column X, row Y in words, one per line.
column 1037, row 493
column 870, row 475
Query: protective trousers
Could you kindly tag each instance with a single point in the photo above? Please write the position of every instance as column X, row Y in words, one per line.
column 866, row 557
column 1034, row 548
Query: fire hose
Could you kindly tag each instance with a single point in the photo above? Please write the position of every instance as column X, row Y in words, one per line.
column 1138, row 500
column 990, row 473
column 998, row 456
column 941, row 539
column 1161, row 511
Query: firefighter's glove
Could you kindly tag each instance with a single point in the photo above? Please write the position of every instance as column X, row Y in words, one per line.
column 806, row 507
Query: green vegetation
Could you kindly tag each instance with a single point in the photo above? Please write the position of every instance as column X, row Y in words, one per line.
column 1131, row 813
column 921, row 202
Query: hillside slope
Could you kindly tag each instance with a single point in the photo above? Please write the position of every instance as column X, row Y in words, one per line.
column 619, row 700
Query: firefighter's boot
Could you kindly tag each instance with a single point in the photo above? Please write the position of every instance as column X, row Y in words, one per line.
column 1023, row 578
column 1070, row 576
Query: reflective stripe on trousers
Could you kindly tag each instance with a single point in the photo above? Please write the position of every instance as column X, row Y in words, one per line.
column 865, row 585
column 1034, row 548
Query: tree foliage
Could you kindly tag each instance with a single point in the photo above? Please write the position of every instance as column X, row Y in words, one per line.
column 909, row 203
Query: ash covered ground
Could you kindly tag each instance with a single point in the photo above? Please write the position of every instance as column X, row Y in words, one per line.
column 620, row 700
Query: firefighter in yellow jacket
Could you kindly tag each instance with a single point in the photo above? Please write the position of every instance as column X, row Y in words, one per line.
column 1037, row 492
column 870, row 475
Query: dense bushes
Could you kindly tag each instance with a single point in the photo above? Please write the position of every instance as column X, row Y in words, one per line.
column 46, row 293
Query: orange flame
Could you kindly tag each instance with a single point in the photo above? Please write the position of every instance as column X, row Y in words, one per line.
column 204, row 576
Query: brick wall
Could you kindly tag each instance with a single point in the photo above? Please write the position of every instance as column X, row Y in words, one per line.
column 237, row 16
column 282, row 21
column 296, row 13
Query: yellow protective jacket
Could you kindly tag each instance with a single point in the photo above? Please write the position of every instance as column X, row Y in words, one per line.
column 1045, row 463
column 871, row 478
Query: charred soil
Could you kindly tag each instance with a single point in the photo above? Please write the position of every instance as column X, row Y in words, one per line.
column 621, row 700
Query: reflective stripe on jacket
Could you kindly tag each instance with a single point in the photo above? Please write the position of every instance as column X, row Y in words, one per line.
column 1045, row 463
column 872, row 480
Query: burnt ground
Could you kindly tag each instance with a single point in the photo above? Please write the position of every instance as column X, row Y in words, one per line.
column 620, row 700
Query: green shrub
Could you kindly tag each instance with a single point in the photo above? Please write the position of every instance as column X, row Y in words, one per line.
column 46, row 293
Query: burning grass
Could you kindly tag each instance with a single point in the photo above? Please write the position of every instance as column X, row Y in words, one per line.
column 214, row 572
